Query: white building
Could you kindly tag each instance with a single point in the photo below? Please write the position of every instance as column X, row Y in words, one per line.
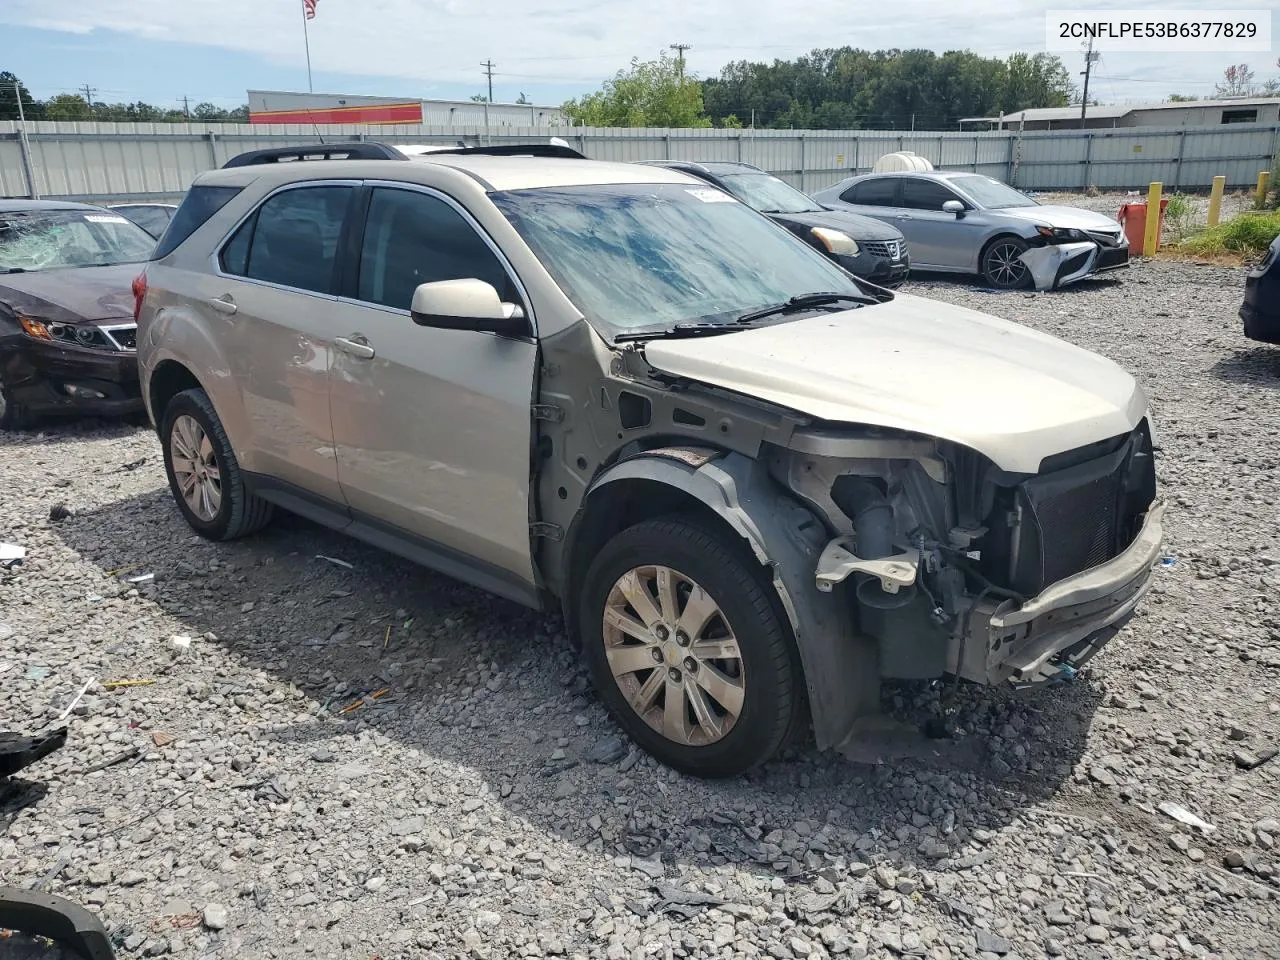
column 1192, row 113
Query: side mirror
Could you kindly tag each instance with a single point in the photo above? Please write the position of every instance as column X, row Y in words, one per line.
column 954, row 206
column 466, row 305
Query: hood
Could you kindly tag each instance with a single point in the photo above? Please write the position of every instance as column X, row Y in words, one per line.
column 913, row 364
column 72, row 294
column 1069, row 217
column 855, row 225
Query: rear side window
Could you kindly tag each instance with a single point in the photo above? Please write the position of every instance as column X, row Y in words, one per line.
column 412, row 238
column 197, row 206
column 881, row 192
column 292, row 239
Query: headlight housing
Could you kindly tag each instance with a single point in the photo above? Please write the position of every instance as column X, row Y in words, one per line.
column 1061, row 234
column 85, row 335
column 835, row 242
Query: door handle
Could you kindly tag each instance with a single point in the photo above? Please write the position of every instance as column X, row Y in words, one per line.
column 224, row 304
column 355, row 346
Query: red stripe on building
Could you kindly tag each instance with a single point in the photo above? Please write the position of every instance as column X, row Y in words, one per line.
column 383, row 113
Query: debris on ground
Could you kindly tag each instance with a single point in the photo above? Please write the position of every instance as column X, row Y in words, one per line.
column 59, row 512
column 1183, row 815
column 18, row 751
column 11, row 555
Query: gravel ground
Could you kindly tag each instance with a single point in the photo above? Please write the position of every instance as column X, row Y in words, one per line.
column 485, row 806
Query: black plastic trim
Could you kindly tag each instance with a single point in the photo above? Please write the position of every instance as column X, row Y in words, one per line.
column 349, row 150
column 44, row 915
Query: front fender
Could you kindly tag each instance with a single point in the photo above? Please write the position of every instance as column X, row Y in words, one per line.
column 841, row 669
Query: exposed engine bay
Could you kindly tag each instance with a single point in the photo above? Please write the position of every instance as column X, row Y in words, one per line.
column 944, row 557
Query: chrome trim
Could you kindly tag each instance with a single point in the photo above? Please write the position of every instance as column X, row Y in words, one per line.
column 109, row 331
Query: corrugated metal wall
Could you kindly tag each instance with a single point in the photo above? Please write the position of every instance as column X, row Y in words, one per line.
column 104, row 161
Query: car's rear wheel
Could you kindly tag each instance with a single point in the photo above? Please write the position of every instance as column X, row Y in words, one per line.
column 1001, row 267
column 204, row 475
column 687, row 649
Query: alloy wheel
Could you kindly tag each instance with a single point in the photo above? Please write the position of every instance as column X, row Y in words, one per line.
column 195, row 467
column 1003, row 266
column 674, row 655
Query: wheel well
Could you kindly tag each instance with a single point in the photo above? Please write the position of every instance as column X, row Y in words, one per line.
column 982, row 256
column 169, row 380
column 622, row 504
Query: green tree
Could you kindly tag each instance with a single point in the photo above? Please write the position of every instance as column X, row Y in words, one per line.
column 1036, row 80
column 1182, row 98
column 731, row 122
column 67, row 106
column 523, row 98
column 11, row 89
column 652, row 93
column 480, row 98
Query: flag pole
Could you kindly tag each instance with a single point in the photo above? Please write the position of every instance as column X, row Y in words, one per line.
column 306, row 40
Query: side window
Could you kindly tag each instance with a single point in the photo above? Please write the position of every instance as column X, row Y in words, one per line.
column 880, row 192
column 291, row 240
column 196, row 207
column 925, row 194
column 412, row 238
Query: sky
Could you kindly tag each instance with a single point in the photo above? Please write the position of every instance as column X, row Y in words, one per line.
column 160, row 51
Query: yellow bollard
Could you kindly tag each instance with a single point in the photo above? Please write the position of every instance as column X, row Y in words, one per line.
column 1215, row 200
column 1264, row 179
column 1152, row 237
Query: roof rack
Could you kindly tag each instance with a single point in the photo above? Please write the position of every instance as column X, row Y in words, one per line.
column 517, row 150
column 351, row 150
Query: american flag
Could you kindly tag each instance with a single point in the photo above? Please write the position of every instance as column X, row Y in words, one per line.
column 309, row 9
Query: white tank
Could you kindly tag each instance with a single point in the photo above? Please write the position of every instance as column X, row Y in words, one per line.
column 902, row 162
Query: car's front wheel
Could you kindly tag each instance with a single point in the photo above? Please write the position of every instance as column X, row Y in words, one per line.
column 1002, row 267
column 204, row 474
column 688, row 650
column 13, row 415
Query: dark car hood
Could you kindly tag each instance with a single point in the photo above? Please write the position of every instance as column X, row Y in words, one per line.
column 856, row 226
column 71, row 294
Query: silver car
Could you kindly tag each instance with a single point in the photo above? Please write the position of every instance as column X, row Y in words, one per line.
column 969, row 223
column 753, row 486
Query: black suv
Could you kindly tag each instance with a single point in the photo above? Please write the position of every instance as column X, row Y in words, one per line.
column 865, row 247
column 1261, row 308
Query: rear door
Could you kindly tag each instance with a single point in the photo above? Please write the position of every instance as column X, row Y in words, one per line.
column 876, row 197
column 432, row 427
column 276, row 305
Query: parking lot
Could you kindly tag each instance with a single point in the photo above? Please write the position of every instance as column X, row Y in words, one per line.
column 477, row 801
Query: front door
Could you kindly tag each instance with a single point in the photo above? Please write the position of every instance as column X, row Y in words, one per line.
column 934, row 236
column 274, row 298
column 432, row 427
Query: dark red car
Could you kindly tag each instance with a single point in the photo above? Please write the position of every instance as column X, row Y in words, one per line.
column 67, row 331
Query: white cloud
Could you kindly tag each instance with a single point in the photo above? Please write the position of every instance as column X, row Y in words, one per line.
column 580, row 42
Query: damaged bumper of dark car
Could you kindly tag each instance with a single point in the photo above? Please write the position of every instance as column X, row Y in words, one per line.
column 50, row 377
column 1260, row 310
column 1056, row 265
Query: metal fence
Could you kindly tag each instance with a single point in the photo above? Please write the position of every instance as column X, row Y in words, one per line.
column 115, row 161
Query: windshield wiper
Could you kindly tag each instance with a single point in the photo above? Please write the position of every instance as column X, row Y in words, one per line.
column 677, row 330
column 804, row 301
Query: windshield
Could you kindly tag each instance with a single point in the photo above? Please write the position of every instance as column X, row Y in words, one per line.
column 768, row 194
column 48, row 239
column 992, row 194
column 644, row 255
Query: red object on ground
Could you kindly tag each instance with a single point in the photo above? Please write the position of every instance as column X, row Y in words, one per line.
column 1133, row 217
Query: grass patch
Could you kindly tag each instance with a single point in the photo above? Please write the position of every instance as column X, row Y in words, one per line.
column 1247, row 235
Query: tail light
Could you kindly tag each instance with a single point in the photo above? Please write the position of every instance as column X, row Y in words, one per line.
column 139, row 294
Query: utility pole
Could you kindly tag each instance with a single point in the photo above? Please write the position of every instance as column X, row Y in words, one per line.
column 680, row 48
column 186, row 111
column 25, row 143
column 1090, row 58
column 88, row 97
column 488, row 70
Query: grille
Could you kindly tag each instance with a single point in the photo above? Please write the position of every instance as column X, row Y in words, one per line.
column 1112, row 257
column 124, row 337
column 884, row 249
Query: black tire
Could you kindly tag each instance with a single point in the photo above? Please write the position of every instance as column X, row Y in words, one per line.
column 13, row 415
column 1001, row 268
column 239, row 513
column 770, row 671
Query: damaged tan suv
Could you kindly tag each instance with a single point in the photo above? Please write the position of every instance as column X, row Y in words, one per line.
column 755, row 485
